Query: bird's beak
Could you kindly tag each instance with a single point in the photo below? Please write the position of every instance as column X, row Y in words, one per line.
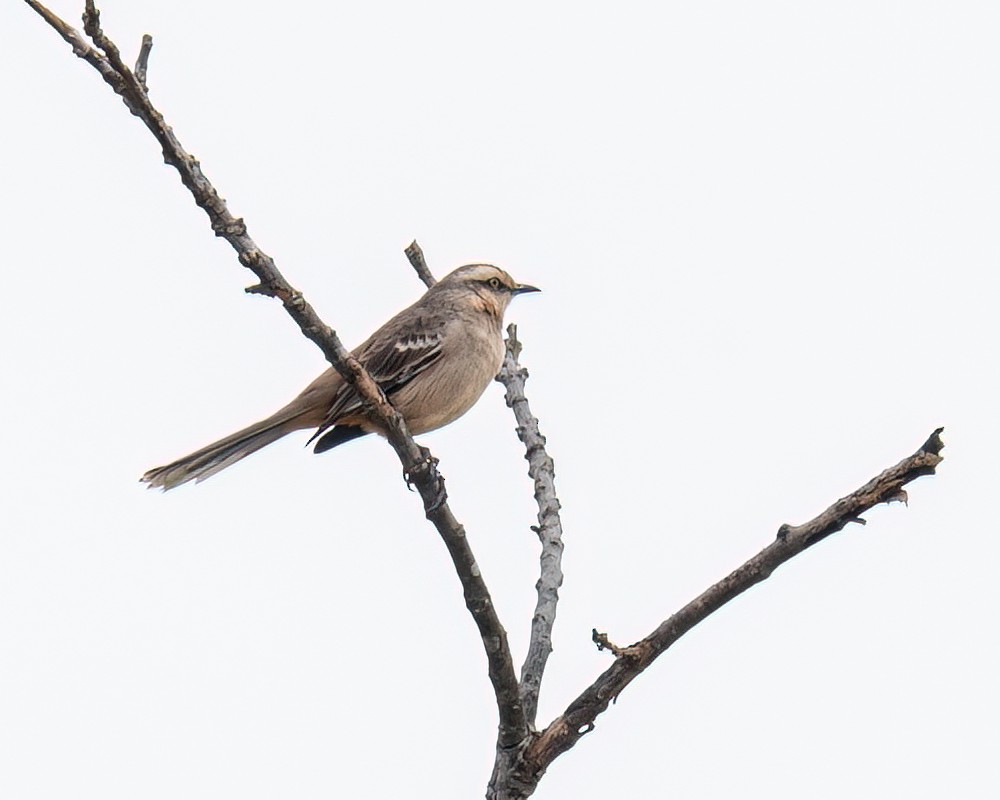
column 523, row 288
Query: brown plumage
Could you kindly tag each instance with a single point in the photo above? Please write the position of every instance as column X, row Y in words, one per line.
column 433, row 360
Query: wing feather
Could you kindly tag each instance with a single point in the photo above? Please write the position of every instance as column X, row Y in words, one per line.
column 392, row 360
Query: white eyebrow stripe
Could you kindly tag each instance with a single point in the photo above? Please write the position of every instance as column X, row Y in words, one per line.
column 480, row 272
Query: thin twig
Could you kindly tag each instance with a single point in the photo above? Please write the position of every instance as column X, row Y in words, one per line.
column 419, row 466
column 541, row 469
column 142, row 62
column 416, row 256
column 92, row 27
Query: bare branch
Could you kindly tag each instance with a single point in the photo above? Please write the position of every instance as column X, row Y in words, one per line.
column 541, row 469
column 417, row 462
column 578, row 718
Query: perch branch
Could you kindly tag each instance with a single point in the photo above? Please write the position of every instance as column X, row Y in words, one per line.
column 419, row 466
column 578, row 718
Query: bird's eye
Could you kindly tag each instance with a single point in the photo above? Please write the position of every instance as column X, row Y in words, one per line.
column 494, row 283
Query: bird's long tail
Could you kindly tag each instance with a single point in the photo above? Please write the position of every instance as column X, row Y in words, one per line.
column 217, row 456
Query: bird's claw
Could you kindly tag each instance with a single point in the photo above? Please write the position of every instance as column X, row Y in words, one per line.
column 440, row 496
column 426, row 462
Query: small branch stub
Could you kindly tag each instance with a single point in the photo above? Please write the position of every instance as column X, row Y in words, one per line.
column 934, row 443
column 604, row 643
column 416, row 256
column 142, row 62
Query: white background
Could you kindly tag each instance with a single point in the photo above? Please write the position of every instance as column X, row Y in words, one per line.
column 767, row 238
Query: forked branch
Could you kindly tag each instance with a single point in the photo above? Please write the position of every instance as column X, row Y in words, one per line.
column 579, row 717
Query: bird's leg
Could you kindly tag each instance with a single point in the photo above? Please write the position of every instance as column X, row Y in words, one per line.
column 427, row 463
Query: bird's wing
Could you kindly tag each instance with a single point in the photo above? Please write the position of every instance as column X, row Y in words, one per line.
column 396, row 363
column 393, row 361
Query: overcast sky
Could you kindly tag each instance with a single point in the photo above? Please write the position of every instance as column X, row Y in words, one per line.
column 767, row 238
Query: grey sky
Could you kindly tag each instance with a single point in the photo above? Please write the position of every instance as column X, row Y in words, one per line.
column 766, row 235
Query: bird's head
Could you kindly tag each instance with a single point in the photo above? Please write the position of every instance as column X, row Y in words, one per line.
column 487, row 286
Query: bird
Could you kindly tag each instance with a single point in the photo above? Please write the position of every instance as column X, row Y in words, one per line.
column 433, row 361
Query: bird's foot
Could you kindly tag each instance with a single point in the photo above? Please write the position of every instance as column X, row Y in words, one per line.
column 428, row 464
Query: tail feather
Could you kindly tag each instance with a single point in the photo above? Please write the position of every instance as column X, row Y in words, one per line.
column 217, row 456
